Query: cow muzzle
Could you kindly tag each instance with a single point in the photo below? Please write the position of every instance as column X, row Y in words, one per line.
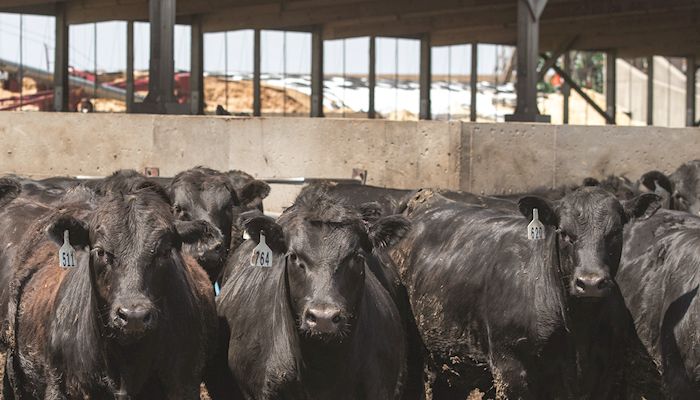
column 134, row 320
column 591, row 286
column 326, row 321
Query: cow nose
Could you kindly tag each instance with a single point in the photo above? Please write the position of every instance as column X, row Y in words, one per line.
column 323, row 320
column 591, row 286
column 135, row 318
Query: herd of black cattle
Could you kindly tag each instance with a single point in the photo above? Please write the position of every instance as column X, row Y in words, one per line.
column 372, row 293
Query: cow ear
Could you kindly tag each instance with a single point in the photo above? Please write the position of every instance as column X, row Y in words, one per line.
column 9, row 190
column 254, row 192
column 590, row 181
column 387, row 231
column 274, row 236
column 370, row 211
column 78, row 231
column 194, row 231
column 642, row 206
column 656, row 182
column 547, row 214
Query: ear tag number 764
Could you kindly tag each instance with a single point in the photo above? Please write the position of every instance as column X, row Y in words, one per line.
column 66, row 254
column 262, row 255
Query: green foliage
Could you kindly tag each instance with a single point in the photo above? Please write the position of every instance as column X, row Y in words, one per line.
column 588, row 70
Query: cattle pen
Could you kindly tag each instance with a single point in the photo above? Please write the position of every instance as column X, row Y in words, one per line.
column 350, row 199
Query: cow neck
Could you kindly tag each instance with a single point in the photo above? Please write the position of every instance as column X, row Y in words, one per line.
column 117, row 357
column 316, row 359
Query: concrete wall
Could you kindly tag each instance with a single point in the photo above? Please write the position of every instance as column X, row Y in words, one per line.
column 482, row 158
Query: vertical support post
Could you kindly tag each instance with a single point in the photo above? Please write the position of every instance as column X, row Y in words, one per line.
column 425, row 77
column 94, row 66
column 529, row 12
column 611, row 85
column 317, row 72
column 690, row 81
column 130, row 66
column 226, row 76
column 565, row 88
column 473, row 81
column 161, row 65
column 197, row 67
column 650, row 90
column 257, row 103
column 61, row 89
column 21, row 62
column 372, row 79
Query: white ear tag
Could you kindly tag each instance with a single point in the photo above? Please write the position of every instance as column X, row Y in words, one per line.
column 66, row 254
column 262, row 255
column 535, row 229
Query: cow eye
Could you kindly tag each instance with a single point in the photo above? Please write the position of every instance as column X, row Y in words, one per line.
column 568, row 238
column 101, row 255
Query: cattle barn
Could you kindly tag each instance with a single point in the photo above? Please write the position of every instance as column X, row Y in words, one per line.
column 350, row 199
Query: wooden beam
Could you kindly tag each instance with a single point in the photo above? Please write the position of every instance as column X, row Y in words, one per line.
column 611, row 85
column 566, row 89
column 372, row 83
column 425, row 76
column 473, row 81
column 61, row 88
column 528, row 49
column 650, row 90
column 196, row 67
column 690, row 89
column 130, row 66
column 317, row 72
column 565, row 46
column 257, row 98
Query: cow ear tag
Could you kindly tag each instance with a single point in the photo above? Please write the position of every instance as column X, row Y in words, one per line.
column 262, row 255
column 66, row 254
column 535, row 229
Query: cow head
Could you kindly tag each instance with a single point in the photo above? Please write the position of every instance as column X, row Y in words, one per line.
column 134, row 244
column 589, row 225
column 208, row 195
column 686, row 187
column 657, row 182
column 325, row 246
column 9, row 190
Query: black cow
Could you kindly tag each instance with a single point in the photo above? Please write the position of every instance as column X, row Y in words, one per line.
column 134, row 319
column 527, row 319
column 208, row 195
column 47, row 191
column 659, row 278
column 686, row 187
column 17, row 217
column 390, row 200
column 250, row 190
column 318, row 324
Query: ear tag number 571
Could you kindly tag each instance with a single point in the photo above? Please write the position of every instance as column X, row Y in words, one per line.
column 66, row 255
column 262, row 255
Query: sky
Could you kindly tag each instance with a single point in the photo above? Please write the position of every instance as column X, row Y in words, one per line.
column 350, row 56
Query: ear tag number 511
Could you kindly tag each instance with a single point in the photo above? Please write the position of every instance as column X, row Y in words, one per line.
column 535, row 230
column 262, row 255
column 66, row 255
